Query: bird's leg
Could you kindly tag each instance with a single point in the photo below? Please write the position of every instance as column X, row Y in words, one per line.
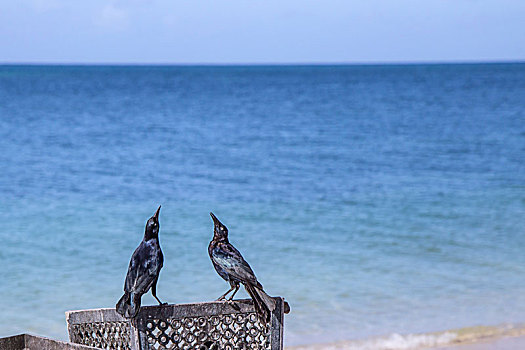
column 222, row 297
column 160, row 302
column 237, row 285
column 154, row 292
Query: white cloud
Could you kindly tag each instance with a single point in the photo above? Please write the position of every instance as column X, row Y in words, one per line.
column 113, row 16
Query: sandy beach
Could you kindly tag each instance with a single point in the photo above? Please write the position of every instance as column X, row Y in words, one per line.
column 511, row 343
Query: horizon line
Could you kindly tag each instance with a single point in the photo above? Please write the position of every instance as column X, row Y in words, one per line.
column 262, row 64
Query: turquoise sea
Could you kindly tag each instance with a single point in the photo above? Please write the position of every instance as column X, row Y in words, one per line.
column 377, row 199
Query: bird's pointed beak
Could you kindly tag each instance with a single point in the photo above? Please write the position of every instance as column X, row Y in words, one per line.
column 213, row 217
column 156, row 216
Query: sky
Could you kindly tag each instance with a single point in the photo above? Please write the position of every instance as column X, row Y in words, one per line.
column 261, row 31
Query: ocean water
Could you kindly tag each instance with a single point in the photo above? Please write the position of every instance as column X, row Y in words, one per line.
column 376, row 199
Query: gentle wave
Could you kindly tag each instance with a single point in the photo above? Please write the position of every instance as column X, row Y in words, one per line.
column 423, row 340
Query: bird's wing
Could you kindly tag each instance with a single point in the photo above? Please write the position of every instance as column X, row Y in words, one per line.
column 143, row 269
column 231, row 261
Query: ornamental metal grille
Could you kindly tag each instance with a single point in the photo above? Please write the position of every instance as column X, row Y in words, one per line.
column 229, row 332
column 202, row 326
column 105, row 335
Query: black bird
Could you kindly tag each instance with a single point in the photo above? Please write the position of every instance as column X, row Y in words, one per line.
column 232, row 267
column 143, row 271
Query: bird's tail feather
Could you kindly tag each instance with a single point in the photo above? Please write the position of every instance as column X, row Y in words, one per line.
column 123, row 304
column 128, row 305
column 263, row 303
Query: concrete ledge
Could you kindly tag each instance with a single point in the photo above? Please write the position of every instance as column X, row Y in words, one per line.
column 33, row 342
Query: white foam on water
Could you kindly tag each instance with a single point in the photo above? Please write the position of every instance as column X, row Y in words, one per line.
column 404, row 342
column 391, row 342
column 420, row 341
